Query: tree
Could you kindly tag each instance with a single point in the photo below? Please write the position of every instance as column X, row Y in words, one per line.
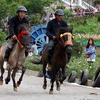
column 3, row 8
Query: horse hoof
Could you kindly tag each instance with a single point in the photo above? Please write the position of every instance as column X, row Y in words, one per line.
column 1, row 82
column 61, row 81
column 58, row 88
column 17, row 85
column 44, row 87
column 15, row 89
column 51, row 92
column 6, row 82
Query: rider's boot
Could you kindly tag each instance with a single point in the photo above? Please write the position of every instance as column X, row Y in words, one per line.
column 6, row 57
column 26, row 53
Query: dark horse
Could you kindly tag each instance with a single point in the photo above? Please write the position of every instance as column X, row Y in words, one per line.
column 59, row 57
column 17, row 56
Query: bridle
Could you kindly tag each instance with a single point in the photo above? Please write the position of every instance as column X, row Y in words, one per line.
column 68, row 42
column 19, row 38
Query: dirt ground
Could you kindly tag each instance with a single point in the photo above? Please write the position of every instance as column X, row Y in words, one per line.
column 31, row 89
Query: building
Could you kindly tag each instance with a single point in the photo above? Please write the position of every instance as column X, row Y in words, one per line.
column 84, row 4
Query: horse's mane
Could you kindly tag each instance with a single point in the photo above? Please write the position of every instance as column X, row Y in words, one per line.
column 23, row 27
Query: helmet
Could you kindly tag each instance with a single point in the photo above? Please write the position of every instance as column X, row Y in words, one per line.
column 59, row 12
column 21, row 8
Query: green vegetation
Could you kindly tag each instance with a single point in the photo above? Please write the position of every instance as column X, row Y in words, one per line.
column 2, row 37
column 76, row 63
column 29, row 65
column 8, row 7
column 85, row 25
column 79, row 63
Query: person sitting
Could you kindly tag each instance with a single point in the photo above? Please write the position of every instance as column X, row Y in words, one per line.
column 90, row 50
column 52, row 27
column 13, row 31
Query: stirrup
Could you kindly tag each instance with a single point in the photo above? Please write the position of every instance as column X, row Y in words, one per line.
column 49, row 66
column 5, row 65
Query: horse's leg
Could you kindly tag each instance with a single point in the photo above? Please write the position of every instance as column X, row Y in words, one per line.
column 44, row 74
column 7, row 80
column 63, row 75
column 13, row 78
column 53, row 77
column 1, row 77
column 20, row 79
column 57, row 83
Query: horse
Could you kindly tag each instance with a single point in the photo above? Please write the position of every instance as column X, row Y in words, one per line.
column 59, row 57
column 17, row 56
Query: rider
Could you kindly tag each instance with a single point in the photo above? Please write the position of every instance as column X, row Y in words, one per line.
column 14, row 23
column 52, row 28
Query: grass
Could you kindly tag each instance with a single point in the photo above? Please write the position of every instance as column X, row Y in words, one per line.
column 29, row 65
column 88, row 25
column 79, row 64
column 76, row 63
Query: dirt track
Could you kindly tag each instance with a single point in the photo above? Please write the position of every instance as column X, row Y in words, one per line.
column 31, row 89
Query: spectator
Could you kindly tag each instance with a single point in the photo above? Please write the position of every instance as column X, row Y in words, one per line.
column 90, row 50
column 44, row 18
column 51, row 16
column 34, row 49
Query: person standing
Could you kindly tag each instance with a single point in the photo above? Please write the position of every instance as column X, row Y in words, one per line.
column 90, row 50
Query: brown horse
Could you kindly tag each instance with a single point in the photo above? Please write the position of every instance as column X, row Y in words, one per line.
column 17, row 56
column 59, row 57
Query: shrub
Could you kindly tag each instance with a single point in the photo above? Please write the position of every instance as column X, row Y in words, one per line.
column 2, row 37
column 35, row 20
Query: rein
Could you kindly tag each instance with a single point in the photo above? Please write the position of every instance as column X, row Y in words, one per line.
column 61, row 42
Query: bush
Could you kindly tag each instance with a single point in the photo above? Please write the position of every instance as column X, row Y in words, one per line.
column 77, row 49
column 35, row 20
column 2, row 37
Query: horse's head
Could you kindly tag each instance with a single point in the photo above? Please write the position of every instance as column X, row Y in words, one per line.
column 64, row 37
column 24, row 36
